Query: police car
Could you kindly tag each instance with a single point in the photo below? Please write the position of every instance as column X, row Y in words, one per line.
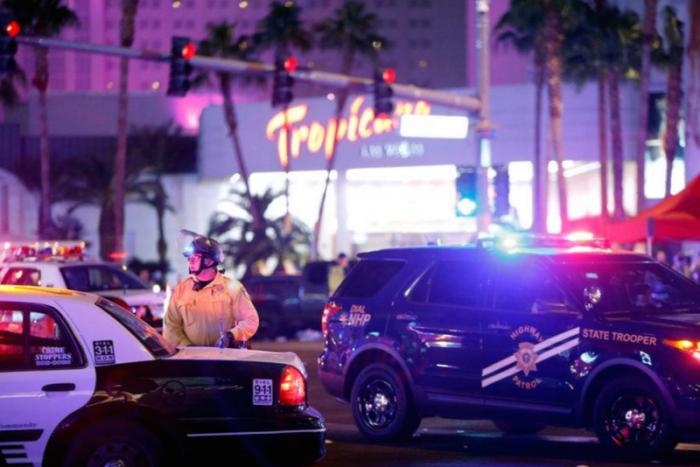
column 85, row 382
column 63, row 265
column 547, row 332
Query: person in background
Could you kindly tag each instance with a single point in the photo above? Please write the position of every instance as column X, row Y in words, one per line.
column 337, row 271
column 209, row 309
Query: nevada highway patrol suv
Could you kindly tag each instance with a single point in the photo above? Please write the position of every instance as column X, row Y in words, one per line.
column 84, row 382
column 63, row 265
column 554, row 333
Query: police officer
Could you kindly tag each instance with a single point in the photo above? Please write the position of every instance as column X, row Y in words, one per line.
column 209, row 309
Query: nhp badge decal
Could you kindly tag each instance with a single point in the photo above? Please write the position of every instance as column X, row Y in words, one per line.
column 528, row 355
column 356, row 317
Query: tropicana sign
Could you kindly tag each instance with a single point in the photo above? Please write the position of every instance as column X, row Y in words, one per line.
column 315, row 136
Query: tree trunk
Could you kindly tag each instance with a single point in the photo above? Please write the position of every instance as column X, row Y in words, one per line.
column 674, row 95
column 129, row 10
column 106, row 230
column 288, row 143
column 41, row 82
column 540, row 172
column 693, row 98
column 162, row 246
column 232, row 122
column 648, row 34
column 342, row 97
column 603, row 148
column 553, row 66
column 616, row 133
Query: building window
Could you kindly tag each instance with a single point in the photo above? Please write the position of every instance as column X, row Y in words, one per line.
column 190, row 24
column 177, row 24
column 155, row 24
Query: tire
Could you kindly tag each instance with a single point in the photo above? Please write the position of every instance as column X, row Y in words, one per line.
column 518, row 428
column 270, row 325
column 382, row 405
column 107, row 443
column 632, row 418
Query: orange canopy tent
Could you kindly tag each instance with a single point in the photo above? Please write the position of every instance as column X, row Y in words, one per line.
column 676, row 218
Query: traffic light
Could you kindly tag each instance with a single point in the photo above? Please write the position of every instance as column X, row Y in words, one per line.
column 466, row 191
column 501, row 188
column 9, row 29
column 282, row 81
column 383, row 104
column 182, row 50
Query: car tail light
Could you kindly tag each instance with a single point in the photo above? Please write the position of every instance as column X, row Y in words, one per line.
column 330, row 309
column 689, row 347
column 292, row 387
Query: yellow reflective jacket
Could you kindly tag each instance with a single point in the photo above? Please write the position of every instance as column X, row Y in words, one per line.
column 192, row 317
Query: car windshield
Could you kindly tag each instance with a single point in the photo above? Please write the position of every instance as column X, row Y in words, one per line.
column 148, row 336
column 95, row 278
column 634, row 287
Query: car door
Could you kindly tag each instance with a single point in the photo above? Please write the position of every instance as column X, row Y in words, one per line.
column 528, row 336
column 439, row 320
column 45, row 377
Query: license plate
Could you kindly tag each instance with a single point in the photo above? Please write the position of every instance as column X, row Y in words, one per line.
column 262, row 392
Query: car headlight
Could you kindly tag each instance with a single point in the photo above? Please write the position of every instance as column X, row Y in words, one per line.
column 690, row 347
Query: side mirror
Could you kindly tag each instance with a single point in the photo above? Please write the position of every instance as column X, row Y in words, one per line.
column 592, row 296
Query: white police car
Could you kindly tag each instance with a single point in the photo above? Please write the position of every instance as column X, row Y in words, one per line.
column 84, row 382
column 63, row 265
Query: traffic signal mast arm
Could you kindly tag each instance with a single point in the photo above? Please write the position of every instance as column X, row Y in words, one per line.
column 333, row 80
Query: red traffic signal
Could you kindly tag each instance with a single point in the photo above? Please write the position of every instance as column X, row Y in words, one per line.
column 389, row 76
column 290, row 64
column 13, row 29
column 189, row 51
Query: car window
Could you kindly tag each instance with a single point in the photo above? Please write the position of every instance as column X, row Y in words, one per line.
column 22, row 276
column 529, row 288
column 460, row 283
column 96, row 278
column 634, row 287
column 42, row 344
column 368, row 278
column 149, row 337
column 12, row 342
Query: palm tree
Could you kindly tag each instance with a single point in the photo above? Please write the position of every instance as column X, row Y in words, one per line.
column 222, row 42
column 9, row 88
column 604, row 46
column 126, row 39
column 669, row 58
column 246, row 244
column 648, row 37
column 521, row 28
column 282, row 31
column 351, row 32
column 692, row 126
column 151, row 146
column 43, row 18
column 88, row 181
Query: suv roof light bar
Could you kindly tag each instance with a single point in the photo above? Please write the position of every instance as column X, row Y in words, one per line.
column 43, row 250
column 511, row 241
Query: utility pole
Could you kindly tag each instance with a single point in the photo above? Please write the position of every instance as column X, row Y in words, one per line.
column 484, row 128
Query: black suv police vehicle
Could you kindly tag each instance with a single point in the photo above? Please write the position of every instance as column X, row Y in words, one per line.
column 526, row 336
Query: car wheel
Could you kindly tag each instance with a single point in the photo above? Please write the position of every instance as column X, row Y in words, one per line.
column 632, row 417
column 270, row 325
column 123, row 444
column 518, row 428
column 382, row 405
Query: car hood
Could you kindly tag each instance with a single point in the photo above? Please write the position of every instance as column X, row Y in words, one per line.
column 253, row 356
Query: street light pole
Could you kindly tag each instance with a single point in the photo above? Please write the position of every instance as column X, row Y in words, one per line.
column 484, row 128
